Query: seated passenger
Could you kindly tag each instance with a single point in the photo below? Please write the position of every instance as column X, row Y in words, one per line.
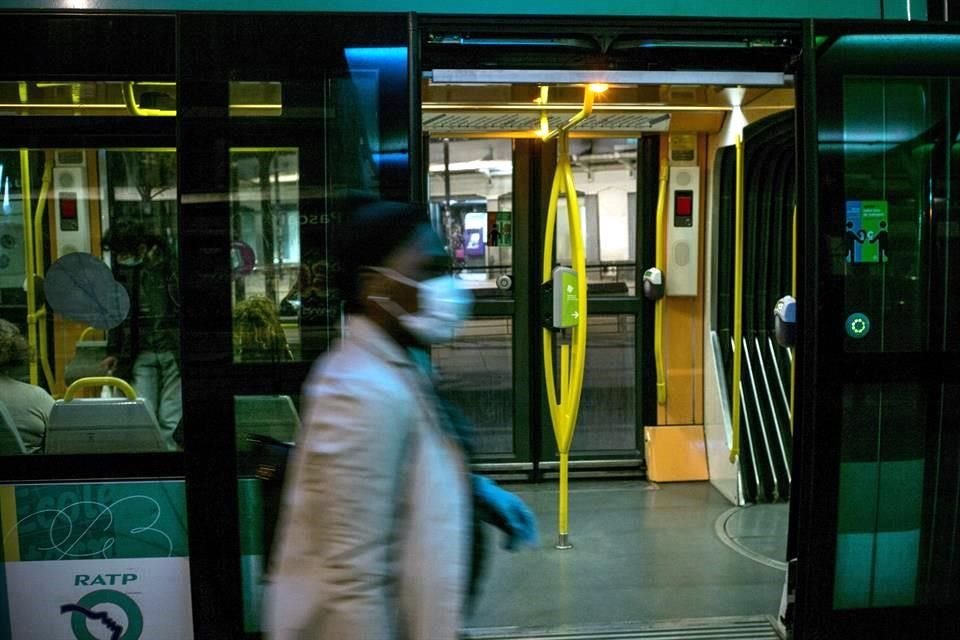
column 258, row 335
column 29, row 405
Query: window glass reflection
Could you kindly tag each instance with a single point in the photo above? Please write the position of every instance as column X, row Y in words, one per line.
column 476, row 372
column 471, row 206
column 604, row 172
column 90, row 98
column 265, row 253
column 90, row 282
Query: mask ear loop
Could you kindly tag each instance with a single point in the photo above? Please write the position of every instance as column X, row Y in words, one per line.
column 385, row 302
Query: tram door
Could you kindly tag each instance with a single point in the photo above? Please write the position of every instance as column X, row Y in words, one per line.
column 488, row 199
column 876, row 519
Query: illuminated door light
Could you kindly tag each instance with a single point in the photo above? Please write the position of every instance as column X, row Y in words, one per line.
column 858, row 325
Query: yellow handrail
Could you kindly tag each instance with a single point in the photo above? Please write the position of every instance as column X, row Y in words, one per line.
column 100, row 381
column 131, row 101
column 564, row 410
column 737, row 303
column 85, row 333
column 661, row 264
column 29, row 261
column 39, row 268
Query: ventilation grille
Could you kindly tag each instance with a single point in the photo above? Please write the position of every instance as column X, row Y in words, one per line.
column 462, row 122
column 746, row 628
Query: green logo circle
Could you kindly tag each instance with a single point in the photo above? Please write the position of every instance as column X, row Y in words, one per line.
column 78, row 620
column 858, row 325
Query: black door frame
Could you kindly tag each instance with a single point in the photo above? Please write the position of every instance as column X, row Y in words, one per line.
column 823, row 366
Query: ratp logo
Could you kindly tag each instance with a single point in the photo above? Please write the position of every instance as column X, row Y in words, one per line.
column 83, row 613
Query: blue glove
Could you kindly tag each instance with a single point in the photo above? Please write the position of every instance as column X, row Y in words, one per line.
column 506, row 511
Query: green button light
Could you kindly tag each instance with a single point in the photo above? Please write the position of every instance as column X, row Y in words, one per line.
column 858, row 325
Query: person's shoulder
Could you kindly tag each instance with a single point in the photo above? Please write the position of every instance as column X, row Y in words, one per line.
column 350, row 367
column 27, row 391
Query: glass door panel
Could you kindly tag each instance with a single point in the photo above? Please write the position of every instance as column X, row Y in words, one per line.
column 884, row 484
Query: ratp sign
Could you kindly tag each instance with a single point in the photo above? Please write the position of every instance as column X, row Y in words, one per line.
column 94, row 561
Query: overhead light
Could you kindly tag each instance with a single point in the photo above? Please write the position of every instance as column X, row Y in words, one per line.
column 598, row 87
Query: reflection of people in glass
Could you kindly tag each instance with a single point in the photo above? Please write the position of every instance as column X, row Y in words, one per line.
column 28, row 405
column 257, row 332
column 377, row 523
column 144, row 349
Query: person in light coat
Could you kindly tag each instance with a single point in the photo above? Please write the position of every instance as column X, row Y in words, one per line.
column 374, row 538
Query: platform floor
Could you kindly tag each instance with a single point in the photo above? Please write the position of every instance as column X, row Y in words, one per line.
column 643, row 553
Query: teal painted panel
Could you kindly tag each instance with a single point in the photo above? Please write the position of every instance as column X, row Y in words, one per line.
column 905, row 9
column 251, row 579
column 860, row 9
column 101, row 520
column 854, row 570
column 901, row 495
column 857, row 501
column 895, row 569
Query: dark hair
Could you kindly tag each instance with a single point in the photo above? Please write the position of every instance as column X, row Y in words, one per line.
column 125, row 236
column 368, row 236
column 14, row 350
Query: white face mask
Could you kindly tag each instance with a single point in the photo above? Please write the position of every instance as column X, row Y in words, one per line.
column 442, row 306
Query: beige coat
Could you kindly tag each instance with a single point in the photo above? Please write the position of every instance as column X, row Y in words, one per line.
column 372, row 543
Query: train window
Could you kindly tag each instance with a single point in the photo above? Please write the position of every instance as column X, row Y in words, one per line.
column 265, row 254
column 477, row 375
column 471, row 206
column 256, row 99
column 604, row 170
column 608, row 408
column 90, row 98
column 89, row 276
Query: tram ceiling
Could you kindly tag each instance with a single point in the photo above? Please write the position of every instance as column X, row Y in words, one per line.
column 513, row 110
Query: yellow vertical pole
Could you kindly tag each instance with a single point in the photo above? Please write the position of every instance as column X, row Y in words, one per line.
column 43, row 350
column 565, row 405
column 28, row 246
column 661, row 264
column 737, row 302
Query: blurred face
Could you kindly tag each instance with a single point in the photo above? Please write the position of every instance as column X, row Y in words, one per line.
column 131, row 257
column 421, row 258
column 413, row 295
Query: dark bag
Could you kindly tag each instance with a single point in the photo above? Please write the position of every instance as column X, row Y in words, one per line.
column 267, row 461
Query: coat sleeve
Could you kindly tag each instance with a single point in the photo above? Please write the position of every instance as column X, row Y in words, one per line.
column 344, row 506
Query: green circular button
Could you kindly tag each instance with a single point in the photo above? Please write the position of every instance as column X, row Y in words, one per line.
column 858, row 325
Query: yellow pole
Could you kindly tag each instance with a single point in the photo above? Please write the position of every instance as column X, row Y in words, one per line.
column 564, row 409
column 661, row 264
column 29, row 261
column 39, row 269
column 737, row 302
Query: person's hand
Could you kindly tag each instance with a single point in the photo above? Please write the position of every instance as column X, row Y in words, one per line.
column 506, row 511
column 109, row 364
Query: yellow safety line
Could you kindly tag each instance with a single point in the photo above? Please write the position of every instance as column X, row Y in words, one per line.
column 737, row 303
column 100, row 381
column 28, row 245
column 8, row 520
column 38, row 257
column 661, row 260
column 793, row 292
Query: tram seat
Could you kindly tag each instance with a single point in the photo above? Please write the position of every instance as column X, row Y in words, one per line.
column 103, row 425
column 86, row 362
column 272, row 416
column 10, row 441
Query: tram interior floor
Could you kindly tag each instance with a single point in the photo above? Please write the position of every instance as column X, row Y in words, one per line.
column 643, row 552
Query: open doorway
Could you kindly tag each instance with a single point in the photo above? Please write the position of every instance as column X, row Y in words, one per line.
column 659, row 533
